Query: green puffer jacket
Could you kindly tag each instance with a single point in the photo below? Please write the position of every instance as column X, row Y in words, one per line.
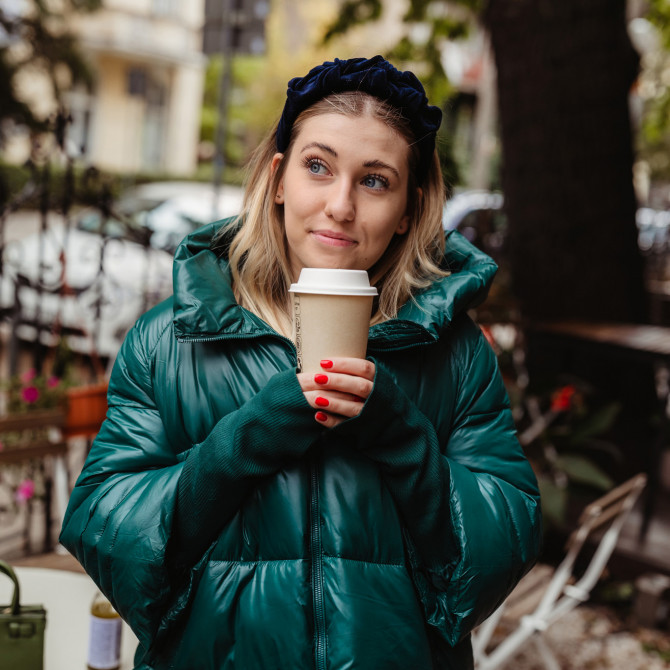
column 231, row 530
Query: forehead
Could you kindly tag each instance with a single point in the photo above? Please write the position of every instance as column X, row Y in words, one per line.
column 363, row 137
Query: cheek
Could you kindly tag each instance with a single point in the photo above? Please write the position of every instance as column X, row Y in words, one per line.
column 378, row 246
column 299, row 207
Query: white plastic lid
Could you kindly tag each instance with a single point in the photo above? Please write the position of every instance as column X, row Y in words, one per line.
column 323, row 281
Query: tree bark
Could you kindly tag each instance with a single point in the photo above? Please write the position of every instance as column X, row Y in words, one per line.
column 565, row 69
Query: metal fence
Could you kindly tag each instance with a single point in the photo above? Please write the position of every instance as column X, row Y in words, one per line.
column 75, row 273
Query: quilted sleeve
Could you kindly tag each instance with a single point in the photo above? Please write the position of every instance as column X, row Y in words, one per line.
column 471, row 506
column 123, row 513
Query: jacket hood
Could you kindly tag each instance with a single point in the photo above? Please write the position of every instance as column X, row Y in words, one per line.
column 205, row 306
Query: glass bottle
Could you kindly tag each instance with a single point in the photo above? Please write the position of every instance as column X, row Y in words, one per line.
column 104, row 641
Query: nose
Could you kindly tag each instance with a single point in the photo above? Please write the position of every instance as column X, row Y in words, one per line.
column 340, row 202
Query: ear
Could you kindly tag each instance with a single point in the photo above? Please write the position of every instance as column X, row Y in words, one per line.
column 276, row 160
column 403, row 226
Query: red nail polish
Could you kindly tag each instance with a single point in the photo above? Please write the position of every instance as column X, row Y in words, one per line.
column 326, row 364
column 320, row 416
column 322, row 402
column 321, row 379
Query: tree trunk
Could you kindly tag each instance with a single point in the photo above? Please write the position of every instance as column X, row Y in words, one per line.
column 565, row 69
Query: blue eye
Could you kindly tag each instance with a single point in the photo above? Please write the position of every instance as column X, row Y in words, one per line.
column 316, row 167
column 375, row 182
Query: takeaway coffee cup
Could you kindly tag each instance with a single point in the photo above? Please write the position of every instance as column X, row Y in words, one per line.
column 331, row 315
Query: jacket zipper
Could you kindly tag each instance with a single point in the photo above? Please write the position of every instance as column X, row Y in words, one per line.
column 227, row 336
column 317, row 571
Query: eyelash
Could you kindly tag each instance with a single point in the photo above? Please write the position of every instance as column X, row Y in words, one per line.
column 308, row 161
column 381, row 178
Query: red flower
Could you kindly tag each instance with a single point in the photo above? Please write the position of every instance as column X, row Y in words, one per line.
column 52, row 382
column 30, row 394
column 561, row 400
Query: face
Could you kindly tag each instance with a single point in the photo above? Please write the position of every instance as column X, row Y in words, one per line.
column 344, row 192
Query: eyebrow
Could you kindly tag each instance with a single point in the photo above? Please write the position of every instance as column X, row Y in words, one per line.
column 368, row 164
column 380, row 164
column 319, row 145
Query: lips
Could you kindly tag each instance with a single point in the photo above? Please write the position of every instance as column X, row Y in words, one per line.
column 332, row 238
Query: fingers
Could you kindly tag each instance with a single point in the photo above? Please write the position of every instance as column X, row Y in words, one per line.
column 345, row 375
column 328, row 420
column 332, row 402
column 350, row 366
column 338, row 393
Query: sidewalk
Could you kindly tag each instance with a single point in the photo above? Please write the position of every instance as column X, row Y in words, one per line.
column 594, row 638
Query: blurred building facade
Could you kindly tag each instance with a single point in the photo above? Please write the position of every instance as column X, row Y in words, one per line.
column 144, row 113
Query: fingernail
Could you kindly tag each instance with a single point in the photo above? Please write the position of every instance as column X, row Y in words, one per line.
column 320, row 416
column 322, row 402
column 321, row 379
column 326, row 364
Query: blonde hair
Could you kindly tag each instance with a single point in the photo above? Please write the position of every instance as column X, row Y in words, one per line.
column 258, row 254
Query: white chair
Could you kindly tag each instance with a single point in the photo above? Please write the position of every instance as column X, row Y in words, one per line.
column 546, row 594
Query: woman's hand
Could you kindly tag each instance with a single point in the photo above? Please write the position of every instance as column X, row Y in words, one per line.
column 338, row 393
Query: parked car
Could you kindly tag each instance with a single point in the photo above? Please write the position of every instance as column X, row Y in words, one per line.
column 98, row 276
column 480, row 216
column 165, row 212
column 92, row 289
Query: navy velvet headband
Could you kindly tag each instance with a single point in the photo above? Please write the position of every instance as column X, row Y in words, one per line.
column 375, row 76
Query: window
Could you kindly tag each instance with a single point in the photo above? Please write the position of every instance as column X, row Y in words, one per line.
column 165, row 7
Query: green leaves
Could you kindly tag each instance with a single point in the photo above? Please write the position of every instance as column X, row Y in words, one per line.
column 554, row 501
column 352, row 13
column 581, row 470
column 594, row 424
column 39, row 39
column 569, row 444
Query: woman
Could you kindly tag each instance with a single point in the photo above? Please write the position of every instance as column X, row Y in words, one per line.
column 240, row 514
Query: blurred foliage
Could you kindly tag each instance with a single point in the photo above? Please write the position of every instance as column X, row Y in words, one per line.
column 76, row 185
column 659, row 14
column 654, row 143
column 353, row 13
column 36, row 41
column 572, row 449
column 246, row 70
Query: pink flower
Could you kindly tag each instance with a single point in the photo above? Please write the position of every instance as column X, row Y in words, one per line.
column 30, row 394
column 52, row 382
column 28, row 375
column 25, row 491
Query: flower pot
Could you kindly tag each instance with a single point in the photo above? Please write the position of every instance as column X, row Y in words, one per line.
column 86, row 410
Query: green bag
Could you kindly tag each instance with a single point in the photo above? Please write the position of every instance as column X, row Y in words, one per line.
column 21, row 631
